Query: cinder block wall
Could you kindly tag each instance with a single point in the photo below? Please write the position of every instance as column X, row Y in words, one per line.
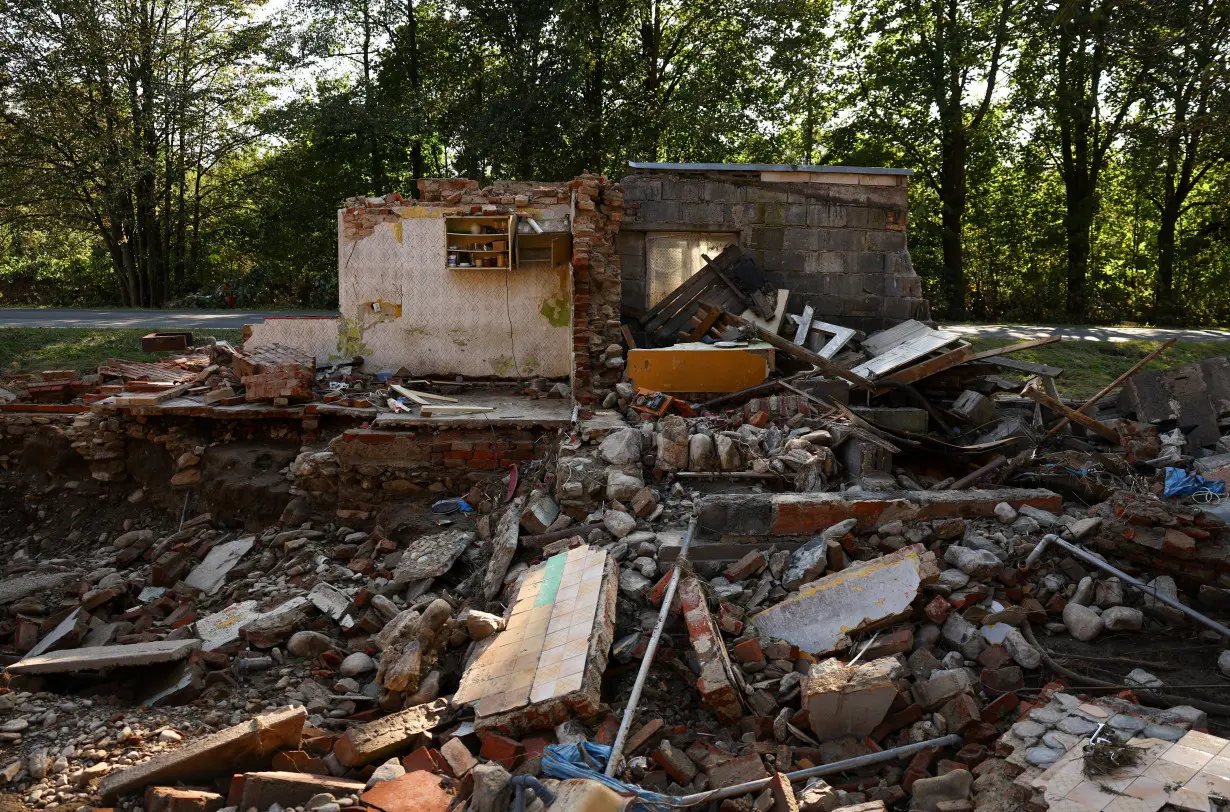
column 836, row 239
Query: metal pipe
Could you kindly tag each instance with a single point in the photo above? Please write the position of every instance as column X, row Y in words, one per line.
column 1090, row 558
column 824, row 769
column 612, row 763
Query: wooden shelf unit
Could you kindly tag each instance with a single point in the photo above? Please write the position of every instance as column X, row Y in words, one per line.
column 496, row 240
column 546, row 248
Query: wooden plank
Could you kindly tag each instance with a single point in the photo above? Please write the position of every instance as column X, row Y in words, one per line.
column 800, row 335
column 883, row 341
column 930, row 367
column 904, row 353
column 1011, row 348
column 150, row 398
column 1033, row 392
column 628, row 339
column 802, row 353
column 702, row 327
column 409, row 394
column 692, row 287
column 1026, row 366
column 431, row 396
column 446, row 409
column 840, row 336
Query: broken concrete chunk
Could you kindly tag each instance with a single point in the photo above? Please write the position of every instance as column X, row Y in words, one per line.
column 844, row 700
column 431, row 556
column 481, row 625
column 820, row 617
column 210, row 574
column 672, row 443
column 809, row 561
column 275, row 626
column 103, row 657
column 622, row 447
column 974, row 563
column 619, row 523
column 539, row 512
column 14, row 589
column 246, row 746
column 398, row 732
column 1082, row 622
column 702, row 456
column 504, row 541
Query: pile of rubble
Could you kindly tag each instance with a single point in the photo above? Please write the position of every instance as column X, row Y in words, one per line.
column 882, row 581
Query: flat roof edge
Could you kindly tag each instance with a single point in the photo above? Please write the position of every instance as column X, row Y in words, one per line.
column 863, row 170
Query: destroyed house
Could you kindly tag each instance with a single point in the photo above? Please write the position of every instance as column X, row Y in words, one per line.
column 527, row 279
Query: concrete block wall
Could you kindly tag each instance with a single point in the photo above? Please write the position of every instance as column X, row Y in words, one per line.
column 836, row 239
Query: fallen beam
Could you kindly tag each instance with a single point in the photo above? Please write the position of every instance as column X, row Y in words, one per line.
column 1018, row 347
column 246, row 746
column 804, row 514
column 802, row 353
column 1059, row 407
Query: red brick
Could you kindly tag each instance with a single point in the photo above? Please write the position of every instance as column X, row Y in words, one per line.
column 637, row 740
column 175, row 799
column 747, row 566
column 508, row 752
column 994, row 656
column 937, row 610
column 608, row 728
column 418, row 791
column 675, row 762
column 740, row 770
column 748, row 651
column 716, row 682
column 999, row 706
column 886, row 645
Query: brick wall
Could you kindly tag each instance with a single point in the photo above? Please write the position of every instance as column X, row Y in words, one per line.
column 837, row 240
column 596, row 285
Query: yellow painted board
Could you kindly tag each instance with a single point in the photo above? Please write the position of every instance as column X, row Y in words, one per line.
column 698, row 367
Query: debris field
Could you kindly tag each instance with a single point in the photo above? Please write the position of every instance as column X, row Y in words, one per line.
column 889, row 573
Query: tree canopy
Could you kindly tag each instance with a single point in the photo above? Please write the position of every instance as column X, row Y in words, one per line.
column 1071, row 157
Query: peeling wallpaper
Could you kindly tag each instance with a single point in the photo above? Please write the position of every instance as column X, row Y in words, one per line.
column 436, row 320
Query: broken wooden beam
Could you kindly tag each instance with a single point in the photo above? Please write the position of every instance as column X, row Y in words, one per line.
column 1059, row 407
column 802, row 353
column 1110, row 387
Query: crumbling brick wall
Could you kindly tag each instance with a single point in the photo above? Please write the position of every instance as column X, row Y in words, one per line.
column 836, row 239
column 596, row 286
column 596, row 206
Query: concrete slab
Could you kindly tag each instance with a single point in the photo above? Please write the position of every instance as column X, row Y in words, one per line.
column 222, row 628
column 210, row 574
column 102, row 657
column 431, row 556
column 18, row 587
column 68, row 632
column 820, row 617
column 548, row 662
column 246, row 746
column 330, row 600
column 389, row 735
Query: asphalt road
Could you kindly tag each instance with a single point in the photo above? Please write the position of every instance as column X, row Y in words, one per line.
column 145, row 319
column 204, row 319
column 1027, row 333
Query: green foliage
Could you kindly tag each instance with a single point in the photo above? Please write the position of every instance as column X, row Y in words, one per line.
column 1070, row 158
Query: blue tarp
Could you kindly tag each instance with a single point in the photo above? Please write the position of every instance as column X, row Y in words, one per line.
column 1181, row 483
column 567, row 761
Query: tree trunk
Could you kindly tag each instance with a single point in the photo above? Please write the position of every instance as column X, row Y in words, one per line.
column 952, row 213
column 1078, row 222
column 416, row 146
column 1163, row 293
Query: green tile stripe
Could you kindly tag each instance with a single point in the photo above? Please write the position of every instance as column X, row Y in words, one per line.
column 552, row 574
